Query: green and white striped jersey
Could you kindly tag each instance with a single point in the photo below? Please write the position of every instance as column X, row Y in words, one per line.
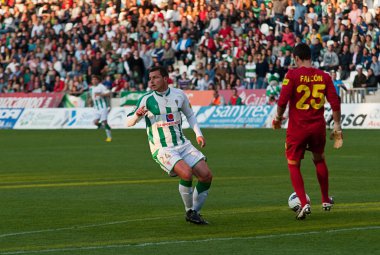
column 164, row 120
column 100, row 102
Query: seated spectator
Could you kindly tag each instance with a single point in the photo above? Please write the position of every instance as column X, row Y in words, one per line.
column 184, row 82
column 375, row 66
column 217, row 99
column 360, row 80
column 371, row 82
column 235, row 99
column 338, row 83
column 208, row 42
column 118, row 84
column 330, row 58
column 59, row 85
column 183, row 44
column 168, row 56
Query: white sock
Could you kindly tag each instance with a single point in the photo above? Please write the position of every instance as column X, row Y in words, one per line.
column 187, row 196
column 199, row 199
column 108, row 133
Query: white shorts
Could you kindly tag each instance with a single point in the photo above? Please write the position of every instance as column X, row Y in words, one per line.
column 167, row 157
column 101, row 114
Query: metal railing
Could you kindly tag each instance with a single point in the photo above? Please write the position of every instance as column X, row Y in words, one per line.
column 353, row 96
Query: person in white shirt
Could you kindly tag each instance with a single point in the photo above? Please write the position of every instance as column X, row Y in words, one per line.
column 215, row 23
column 99, row 95
column 161, row 108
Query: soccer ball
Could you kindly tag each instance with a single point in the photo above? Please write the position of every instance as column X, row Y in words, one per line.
column 294, row 202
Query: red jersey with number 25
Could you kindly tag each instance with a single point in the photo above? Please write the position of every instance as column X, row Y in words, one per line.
column 305, row 89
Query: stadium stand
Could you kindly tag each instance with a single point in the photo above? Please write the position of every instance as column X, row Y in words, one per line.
column 55, row 46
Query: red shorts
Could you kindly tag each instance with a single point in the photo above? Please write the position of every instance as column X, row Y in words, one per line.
column 298, row 142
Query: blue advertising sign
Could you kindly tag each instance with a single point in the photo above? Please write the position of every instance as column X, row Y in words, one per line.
column 9, row 117
column 233, row 116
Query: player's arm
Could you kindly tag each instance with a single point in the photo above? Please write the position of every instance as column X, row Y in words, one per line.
column 191, row 118
column 105, row 92
column 137, row 114
column 276, row 123
column 89, row 101
column 332, row 97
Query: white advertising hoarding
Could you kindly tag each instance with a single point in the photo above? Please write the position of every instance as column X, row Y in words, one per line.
column 354, row 116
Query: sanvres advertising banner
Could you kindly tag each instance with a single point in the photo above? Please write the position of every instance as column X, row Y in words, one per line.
column 234, row 116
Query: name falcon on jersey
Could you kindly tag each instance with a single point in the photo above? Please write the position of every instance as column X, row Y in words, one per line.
column 312, row 78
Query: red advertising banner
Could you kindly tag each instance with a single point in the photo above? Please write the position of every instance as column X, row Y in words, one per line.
column 200, row 98
column 248, row 96
column 30, row 100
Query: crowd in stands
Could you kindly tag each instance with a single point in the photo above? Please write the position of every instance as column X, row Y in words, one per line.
column 56, row 45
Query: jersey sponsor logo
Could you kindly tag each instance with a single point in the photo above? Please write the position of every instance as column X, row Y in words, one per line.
column 170, row 117
column 285, row 82
column 167, row 124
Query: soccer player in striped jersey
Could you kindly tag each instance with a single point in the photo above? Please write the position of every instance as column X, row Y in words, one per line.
column 99, row 95
column 161, row 108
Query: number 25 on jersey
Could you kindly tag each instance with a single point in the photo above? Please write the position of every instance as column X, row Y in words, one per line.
column 316, row 95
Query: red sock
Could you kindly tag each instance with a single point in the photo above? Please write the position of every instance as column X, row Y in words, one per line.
column 323, row 179
column 297, row 182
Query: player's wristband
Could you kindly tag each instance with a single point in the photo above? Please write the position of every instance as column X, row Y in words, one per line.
column 278, row 118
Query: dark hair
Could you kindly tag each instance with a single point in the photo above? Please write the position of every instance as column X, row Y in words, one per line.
column 162, row 70
column 302, row 51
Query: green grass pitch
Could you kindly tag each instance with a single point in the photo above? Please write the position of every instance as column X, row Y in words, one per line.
column 68, row 192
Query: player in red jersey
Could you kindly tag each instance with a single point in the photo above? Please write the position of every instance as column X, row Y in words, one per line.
column 305, row 89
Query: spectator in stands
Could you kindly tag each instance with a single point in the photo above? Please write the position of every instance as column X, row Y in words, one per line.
column 360, row 80
column 235, row 99
column 371, row 82
column 261, row 71
column 184, row 82
column 59, row 85
column 182, row 45
column 45, row 37
column 338, row 83
column 330, row 58
column 214, row 24
column 208, row 42
column 217, row 99
column 375, row 66
column 345, row 59
column 168, row 56
column 203, row 81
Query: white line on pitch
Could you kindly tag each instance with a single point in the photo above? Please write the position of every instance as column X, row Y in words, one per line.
column 190, row 241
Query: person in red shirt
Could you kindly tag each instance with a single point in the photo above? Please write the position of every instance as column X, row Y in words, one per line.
column 304, row 89
column 59, row 85
column 224, row 30
column 288, row 37
column 235, row 99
